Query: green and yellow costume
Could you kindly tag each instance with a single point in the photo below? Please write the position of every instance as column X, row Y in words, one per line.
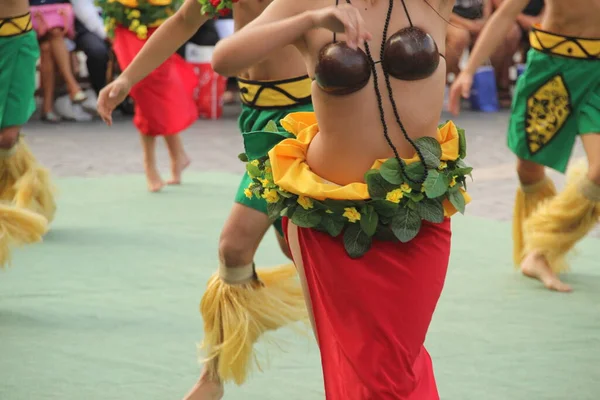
column 264, row 105
column 26, row 200
column 557, row 98
column 241, row 303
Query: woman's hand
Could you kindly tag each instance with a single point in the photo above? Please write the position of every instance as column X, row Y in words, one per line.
column 345, row 19
column 111, row 96
column 460, row 87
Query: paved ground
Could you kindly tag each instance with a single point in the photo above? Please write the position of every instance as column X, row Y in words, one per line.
column 92, row 149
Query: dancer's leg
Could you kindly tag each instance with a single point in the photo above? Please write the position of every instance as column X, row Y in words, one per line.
column 534, row 188
column 155, row 182
column 558, row 224
column 179, row 158
column 242, row 233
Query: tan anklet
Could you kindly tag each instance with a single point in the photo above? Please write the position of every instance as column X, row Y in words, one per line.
column 590, row 189
column 237, row 275
column 534, row 187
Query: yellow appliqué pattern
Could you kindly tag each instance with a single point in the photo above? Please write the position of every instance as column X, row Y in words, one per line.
column 547, row 111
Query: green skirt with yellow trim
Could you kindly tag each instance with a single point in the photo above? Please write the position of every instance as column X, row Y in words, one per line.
column 556, row 98
column 388, row 206
column 264, row 105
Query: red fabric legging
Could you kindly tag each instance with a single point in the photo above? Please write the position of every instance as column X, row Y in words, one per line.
column 372, row 314
column 164, row 100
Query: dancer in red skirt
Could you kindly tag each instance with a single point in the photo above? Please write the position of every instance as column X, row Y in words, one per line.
column 164, row 103
column 367, row 183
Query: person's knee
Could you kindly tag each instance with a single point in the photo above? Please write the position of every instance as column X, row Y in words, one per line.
column 45, row 47
column 56, row 33
column 530, row 172
column 234, row 251
column 457, row 40
column 9, row 137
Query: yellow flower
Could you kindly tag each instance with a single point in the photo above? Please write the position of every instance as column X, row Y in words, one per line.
column 142, row 32
column 453, row 182
column 405, row 188
column 442, row 166
column 352, row 214
column 394, row 196
column 264, row 182
column 134, row 24
column 254, row 162
column 271, row 196
column 305, row 202
column 248, row 193
column 133, row 14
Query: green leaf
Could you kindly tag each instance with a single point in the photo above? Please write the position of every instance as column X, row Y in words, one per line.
column 274, row 210
column 385, row 208
column 332, row 226
column 384, row 233
column 253, row 170
column 285, row 194
column 369, row 220
column 458, row 201
column 378, row 187
column 431, row 151
column 337, row 206
column 306, row 218
column 390, row 171
column 415, row 171
column 406, row 224
column 243, row 157
column 436, row 184
column 356, row 242
column 271, row 127
column 462, row 171
column 462, row 143
column 415, row 196
column 431, row 210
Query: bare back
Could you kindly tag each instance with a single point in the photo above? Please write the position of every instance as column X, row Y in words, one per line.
column 282, row 64
column 579, row 18
column 13, row 8
column 351, row 135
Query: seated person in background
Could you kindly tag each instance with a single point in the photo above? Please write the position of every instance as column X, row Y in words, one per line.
column 466, row 21
column 54, row 52
column 531, row 15
column 90, row 37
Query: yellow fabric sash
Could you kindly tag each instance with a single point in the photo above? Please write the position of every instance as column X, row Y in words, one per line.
column 565, row 46
column 275, row 94
column 292, row 173
column 15, row 26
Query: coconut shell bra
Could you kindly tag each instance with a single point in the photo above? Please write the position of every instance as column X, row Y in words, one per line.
column 409, row 54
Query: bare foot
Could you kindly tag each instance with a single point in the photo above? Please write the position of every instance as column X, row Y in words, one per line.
column 535, row 266
column 205, row 389
column 155, row 182
column 177, row 168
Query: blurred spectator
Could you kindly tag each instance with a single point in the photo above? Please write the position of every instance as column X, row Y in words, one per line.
column 530, row 16
column 466, row 22
column 54, row 53
column 90, row 37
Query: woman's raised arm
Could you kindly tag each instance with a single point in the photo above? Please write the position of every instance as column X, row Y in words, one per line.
column 283, row 23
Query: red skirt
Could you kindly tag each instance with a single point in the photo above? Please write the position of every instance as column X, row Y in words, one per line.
column 372, row 314
column 164, row 100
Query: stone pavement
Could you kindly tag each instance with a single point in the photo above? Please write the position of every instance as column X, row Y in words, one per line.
column 92, row 149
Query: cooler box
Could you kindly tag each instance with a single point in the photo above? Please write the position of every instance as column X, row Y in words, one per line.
column 211, row 86
column 484, row 96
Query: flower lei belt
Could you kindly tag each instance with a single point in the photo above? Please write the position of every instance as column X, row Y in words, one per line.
column 136, row 15
column 217, row 8
column 395, row 210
